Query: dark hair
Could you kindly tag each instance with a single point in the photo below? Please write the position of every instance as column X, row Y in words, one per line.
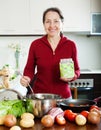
column 54, row 9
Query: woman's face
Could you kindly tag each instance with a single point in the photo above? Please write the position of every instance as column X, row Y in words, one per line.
column 53, row 24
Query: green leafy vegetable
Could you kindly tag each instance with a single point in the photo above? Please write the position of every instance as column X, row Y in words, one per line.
column 18, row 108
column 29, row 105
column 15, row 107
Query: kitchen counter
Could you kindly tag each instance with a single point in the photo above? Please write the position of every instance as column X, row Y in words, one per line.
column 88, row 71
column 68, row 126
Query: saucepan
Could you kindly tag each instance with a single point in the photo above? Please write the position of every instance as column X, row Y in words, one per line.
column 76, row 105
column 41, row 102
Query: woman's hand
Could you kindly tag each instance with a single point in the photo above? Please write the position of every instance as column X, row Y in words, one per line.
column 66, row 79
column 25, row 80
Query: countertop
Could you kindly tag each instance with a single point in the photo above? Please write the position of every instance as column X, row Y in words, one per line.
column 68, row 126
column 88, row 71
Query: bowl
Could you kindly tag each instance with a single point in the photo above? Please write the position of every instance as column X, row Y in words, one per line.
column 42, row 103
column 76, row 105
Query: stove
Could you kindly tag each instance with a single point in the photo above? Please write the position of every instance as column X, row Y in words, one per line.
column 84, row 88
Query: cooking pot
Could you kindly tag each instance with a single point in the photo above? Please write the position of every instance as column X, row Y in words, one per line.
column 41, row 102
column 76, row 105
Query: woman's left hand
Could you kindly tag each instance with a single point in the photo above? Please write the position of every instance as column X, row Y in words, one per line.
column 66, row 79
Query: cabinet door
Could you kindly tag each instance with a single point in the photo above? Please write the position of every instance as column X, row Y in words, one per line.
column 76, row 14
column 95, row 6
column 37, row 7
column 14, row 17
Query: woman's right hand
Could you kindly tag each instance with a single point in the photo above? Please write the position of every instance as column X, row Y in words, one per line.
column 25, row 80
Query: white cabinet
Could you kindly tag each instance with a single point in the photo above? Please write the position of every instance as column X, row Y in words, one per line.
column 19, row 17
column 37, row 7
column 96, row 6
column 76, row 14
column 14, row 17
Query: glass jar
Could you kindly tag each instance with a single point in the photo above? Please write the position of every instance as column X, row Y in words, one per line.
column 66, row 68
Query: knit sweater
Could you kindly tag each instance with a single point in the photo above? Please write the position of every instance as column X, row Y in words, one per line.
column 47, row 62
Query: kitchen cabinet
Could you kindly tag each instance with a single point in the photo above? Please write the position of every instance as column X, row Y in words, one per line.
column 37, row 8
column 95, row 6
column 76, row 14
column 14, row 17
column 19, row 17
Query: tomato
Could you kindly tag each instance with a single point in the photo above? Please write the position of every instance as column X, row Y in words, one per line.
column 94, row 106
column 72, row 116
column 84, row 113
column 67, row 112
column 60, row 120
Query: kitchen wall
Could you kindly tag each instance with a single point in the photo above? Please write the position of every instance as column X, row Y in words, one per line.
column 89, row 50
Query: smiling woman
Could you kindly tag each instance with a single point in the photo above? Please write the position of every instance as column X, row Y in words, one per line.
column 56, row 47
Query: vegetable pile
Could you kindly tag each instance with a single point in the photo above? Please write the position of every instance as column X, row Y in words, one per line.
column 55, row 115
column 10, row 110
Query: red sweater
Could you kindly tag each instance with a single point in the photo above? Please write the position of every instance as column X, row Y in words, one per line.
column 47, row 62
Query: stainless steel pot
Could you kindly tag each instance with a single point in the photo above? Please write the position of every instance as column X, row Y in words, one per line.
column 41, row 102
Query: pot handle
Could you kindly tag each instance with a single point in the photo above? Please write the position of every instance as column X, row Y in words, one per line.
column 98, row 101
column 19, row 95
column 60, row 100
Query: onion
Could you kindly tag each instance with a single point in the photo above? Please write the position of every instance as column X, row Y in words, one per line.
column 10, row 120
column 96, row 110
column 93, row 117
column 47, row 121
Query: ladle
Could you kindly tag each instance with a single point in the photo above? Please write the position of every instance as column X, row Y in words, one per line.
column 19, row 73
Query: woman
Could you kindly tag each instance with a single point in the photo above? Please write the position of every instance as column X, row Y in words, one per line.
column 46, row 52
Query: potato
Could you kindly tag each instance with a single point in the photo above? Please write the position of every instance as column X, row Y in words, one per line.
column 27, row 123
column 27, row 115
column 35, row 111
column 15, row 128
column 80, row 120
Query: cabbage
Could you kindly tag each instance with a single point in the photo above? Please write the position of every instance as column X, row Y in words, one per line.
column 15, row 107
